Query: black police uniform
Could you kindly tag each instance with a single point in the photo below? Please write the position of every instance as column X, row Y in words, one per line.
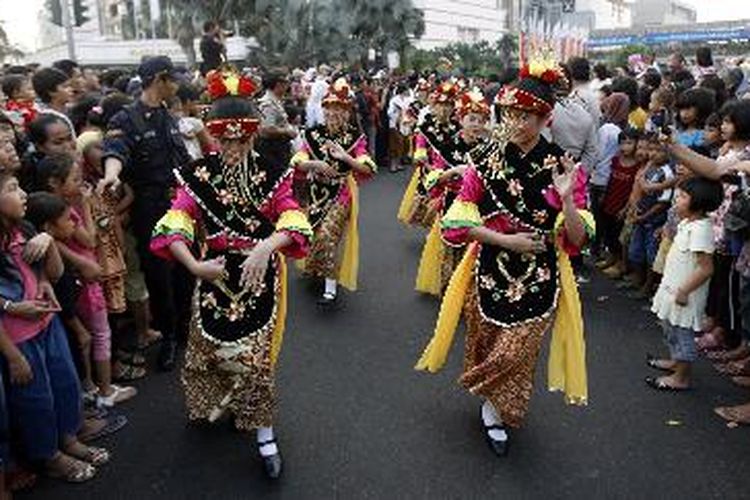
column 148, row 143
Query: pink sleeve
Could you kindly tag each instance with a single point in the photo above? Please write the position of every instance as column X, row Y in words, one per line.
column 362, row 155
column 285, row 212
column 463, row 215
column 178, row 224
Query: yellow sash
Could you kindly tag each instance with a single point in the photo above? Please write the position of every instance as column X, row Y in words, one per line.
column 407, row 203
column 430, row 265
column 278, row 331
column 350, row 259
column 434, row 356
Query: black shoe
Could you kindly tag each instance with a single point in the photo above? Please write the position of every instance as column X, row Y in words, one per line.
column 272, row 464
column 500, row 448
column 167, row 356
column 328, row 299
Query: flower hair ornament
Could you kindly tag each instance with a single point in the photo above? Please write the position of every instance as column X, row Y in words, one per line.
column 446, row 92
column 226, row 82
column 472, row 102
column 339, row 93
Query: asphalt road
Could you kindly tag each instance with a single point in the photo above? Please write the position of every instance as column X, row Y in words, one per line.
column 356, row 421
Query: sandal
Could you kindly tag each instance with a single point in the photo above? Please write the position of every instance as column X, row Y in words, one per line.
column 654, row 362
column 20, row 480
column 91, row 454
column 131, row 358
column 153, row 337
column 70, row 469
column 709, row 342
column 734, row 368
column 111, row 425
column 124, row 372
column 733, row 414
column 658, row 383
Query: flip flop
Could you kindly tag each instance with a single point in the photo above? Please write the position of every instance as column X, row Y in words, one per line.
column 114, row 424
column 730, row 414
column 73, row 470
column 659, row 385
column 653, row 362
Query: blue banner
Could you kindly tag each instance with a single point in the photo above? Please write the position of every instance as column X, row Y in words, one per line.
column 657, row 38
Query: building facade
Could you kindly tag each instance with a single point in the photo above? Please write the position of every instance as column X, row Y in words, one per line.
column 449, row 21
column 663, row 13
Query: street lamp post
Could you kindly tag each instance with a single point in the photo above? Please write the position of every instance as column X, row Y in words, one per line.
column 67, row 22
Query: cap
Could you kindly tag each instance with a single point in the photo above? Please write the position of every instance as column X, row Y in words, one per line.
column 155, row 66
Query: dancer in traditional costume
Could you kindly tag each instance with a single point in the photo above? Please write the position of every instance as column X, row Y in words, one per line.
column 245, row 214
column 442, row 184
column 520, row 211
column 434, row 148
column 335, row 159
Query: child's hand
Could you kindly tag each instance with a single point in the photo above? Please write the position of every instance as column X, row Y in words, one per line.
column 46, row 293
column 31, row 309
column 20, row 370
column 87, row 192
column 36, row 248
column 681, row 298
column 210, row 270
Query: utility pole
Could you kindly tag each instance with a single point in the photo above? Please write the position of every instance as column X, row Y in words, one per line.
column 68, row 26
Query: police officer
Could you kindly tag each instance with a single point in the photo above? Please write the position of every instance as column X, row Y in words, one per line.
column 143, row 145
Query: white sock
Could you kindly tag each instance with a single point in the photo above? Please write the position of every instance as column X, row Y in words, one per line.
column 331, row 286
column 490, row 418
column 265, row 434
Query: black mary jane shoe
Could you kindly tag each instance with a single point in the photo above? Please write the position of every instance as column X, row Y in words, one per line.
column 328, row 299
column 500, row 448
column 272, row 464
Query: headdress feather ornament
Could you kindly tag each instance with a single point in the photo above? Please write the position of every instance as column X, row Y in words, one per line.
column 227, row 82
column 535, row 90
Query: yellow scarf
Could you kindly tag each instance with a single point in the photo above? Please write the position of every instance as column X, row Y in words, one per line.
column 350, row 260
column 278, row 331
column 430, row 265
column 567, row 358
column 407, row 203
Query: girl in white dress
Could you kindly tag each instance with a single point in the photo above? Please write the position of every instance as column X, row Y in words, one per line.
column 680, row 302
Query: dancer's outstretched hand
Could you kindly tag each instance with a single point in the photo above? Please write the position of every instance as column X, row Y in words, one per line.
column 563, row 174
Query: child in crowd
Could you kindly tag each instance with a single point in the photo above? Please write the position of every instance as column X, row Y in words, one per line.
column 694, row 107
column 680, row 302
column 649, row 214
column 20, row 94
column 44, row 395
column 712, row 140
column 9, row 160
column 194, row 133
column 660, row 110
column 60, row 175
column 625, row 166
column 723, row 302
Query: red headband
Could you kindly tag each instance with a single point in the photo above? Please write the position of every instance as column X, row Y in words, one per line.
column 513, row 97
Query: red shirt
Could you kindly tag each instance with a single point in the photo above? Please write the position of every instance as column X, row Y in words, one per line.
column 620, row 186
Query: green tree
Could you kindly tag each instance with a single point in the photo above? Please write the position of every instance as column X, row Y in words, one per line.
column 80, row 10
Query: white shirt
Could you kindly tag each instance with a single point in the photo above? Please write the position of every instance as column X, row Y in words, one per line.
column 314, row 109
column 693, row 237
